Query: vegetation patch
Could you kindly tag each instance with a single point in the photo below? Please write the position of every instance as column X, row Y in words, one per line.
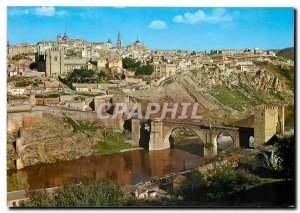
column 22, row 81
column 112, row 143
column 17, row 181
column 89, row 94
column 81, row 126
column 21, row 56
column 53, row 95
column 80, row 193
column 232, row 98
column 287, row 74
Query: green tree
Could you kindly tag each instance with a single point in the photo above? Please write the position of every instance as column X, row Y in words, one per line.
column 222, row 181
column 128, row 63
column 101, row 74
column 145, row 70
column 193, row 187
column 80, row 75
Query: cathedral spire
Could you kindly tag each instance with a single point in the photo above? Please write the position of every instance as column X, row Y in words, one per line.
column 119, row 43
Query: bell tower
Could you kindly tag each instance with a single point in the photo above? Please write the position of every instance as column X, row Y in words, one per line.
column 119, row 43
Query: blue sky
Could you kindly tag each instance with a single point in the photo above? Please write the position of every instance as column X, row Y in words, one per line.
column 157, row 27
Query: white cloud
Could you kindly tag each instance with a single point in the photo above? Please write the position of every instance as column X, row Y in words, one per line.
column 39, row 11
column 14, row 11
column 48, row 11
column 157, row 25
column 218, row 15
column 61, row 13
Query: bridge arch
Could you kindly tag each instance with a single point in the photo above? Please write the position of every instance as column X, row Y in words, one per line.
column 145, row 132
column 223, row 140
column 168, row 143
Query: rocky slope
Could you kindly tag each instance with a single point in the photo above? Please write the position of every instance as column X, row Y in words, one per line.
column 288, row 53
column 227, row 95
column 51, row 140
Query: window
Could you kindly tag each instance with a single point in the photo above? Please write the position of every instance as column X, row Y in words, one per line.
column 55, row 58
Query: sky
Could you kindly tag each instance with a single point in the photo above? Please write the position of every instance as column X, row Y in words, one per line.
column 185, row 28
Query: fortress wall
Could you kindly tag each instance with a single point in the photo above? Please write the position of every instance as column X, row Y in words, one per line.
column 64, row 98
column 19, row 108
column 22, row 120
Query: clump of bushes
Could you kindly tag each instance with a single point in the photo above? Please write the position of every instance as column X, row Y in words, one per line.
column 80, row 193
column 81, row 126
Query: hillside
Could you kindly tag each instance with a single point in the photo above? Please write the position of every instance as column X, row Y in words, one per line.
column 226, row 95
column 287, row 53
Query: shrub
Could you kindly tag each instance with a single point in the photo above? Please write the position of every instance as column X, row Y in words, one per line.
column 193, row 187
column 80, row 193
column 225, row 181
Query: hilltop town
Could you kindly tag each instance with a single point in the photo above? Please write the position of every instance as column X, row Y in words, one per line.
column 55, row 73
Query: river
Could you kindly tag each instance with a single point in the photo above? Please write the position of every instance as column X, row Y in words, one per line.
column 126, row 167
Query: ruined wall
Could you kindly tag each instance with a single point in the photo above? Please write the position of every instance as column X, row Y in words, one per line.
column 46, row 101
column 18, row 108
column 22, row 120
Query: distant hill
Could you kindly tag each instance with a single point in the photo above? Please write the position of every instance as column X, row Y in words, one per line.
column 287, row 53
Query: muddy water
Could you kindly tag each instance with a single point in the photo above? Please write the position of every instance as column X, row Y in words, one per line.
column 127, row 167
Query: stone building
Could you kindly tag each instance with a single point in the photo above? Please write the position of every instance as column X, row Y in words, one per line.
column 55, row 62
column 137, row 46
column 164, row 70
column 13, row 50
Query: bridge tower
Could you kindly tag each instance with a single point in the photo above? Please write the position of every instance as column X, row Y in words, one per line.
column 268, row 121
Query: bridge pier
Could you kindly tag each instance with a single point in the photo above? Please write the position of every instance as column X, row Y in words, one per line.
column 136, row 131
column 157, row 138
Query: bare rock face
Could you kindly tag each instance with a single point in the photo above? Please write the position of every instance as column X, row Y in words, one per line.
column 10, row 151
column 52, row 140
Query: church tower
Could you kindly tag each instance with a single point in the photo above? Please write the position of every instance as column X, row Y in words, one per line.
column 59, row 39
column 119, row 43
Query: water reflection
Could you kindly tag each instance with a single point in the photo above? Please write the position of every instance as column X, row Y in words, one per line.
column 127, row 167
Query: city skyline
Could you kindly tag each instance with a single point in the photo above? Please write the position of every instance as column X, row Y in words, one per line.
column 200, row 28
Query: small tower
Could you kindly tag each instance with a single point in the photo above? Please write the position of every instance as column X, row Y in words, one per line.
column 65, row 38
column 59, row 38
column 119, row 43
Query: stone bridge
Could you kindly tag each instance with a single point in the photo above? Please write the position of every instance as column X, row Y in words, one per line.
column 157, row 132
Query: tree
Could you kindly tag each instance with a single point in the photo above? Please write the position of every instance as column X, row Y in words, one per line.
column 101, row 74
column 145, row 70
column 128, row 63
column 193, row 186
column 80, row 75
